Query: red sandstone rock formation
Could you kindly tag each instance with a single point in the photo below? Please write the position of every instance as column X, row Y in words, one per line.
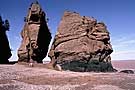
column 81, row 44
column 36, row 36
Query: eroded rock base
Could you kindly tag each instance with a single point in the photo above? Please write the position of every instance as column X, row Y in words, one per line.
column 81, row 66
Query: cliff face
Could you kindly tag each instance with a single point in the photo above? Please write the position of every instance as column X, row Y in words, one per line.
column 5, row 51
column 81, row 44
column 36, row 36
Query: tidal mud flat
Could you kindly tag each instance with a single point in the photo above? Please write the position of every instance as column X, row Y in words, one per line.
column 21, row 77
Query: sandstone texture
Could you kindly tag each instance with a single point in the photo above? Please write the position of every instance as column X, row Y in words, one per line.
column 36, row 36
column 5, row 51
column 81, row 44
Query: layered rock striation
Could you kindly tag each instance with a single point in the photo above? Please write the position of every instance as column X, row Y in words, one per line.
column 36, row 36
column 5, row 51
column 81, row 44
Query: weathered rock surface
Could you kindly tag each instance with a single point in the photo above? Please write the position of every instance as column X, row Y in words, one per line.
column 5, row 51
column 81, row 44
column 36, row 36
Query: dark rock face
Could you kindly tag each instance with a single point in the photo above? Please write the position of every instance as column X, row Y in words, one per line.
column 127, row 71
column 36, row 36
column 5, row 51
column 81, row 44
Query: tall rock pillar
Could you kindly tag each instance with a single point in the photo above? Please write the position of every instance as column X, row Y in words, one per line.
column 36, row 36
column 5, row 51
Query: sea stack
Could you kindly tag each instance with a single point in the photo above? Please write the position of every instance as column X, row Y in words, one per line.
column 36, row 36
column 5, row 51
column 81, row 44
